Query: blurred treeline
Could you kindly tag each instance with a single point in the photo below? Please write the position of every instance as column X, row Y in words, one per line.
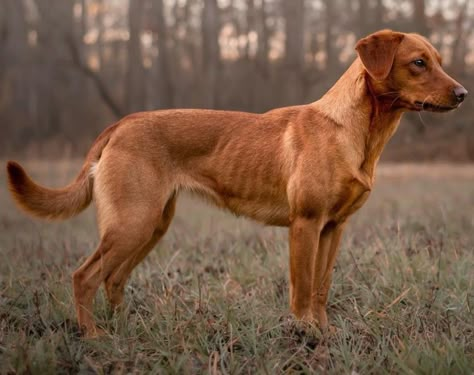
column 68, row 68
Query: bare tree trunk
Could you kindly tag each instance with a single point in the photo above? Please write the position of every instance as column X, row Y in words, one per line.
column 240, row 29
column 54, row 29
column 458, row 53
column 262, row 39
column 210, row 50
column 15, row 73
column 165, row 84
column 3, row 38
column 332, row 61
column 379, row 15
column 251, row 25
column 100, row 36
column 419, row 15
column 14, row 47
column 81, row 85
column 135, row 92
column 257, row 22
column 294, row 46
column 191, row 51
column 363, row 19
column 294, row 50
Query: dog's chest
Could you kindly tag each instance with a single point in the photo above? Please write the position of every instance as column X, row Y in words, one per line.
column 350, row 198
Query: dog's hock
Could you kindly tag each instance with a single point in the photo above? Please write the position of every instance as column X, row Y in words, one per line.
column 377, row 52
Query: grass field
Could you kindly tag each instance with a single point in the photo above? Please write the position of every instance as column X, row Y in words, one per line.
column 212, row 297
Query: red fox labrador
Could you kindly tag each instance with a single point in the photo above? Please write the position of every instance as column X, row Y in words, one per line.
column 306, row 167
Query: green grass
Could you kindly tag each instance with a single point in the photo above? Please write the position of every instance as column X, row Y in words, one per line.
column 212, row 297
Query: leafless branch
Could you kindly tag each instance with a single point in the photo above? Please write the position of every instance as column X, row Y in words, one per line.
column 94, row 76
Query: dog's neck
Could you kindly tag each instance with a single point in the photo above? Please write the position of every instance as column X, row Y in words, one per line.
column 368, row 122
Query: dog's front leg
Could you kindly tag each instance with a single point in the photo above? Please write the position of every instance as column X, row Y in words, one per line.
column 304, row 240
column 324, row 264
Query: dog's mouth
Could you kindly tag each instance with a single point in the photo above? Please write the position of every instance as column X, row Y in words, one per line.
column 425, row 106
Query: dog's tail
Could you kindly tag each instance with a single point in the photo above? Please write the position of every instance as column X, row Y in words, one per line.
column 57, row 203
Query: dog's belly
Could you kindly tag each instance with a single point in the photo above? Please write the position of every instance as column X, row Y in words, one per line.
column 267, row 207
column 267, row 212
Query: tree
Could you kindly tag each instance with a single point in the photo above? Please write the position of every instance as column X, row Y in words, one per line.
column 210, row 51
column 364, row 26
column 419, row 17
column 135, row 92
column 294, row 50
column 165, row 85
column 332, row 60
column 462, row 34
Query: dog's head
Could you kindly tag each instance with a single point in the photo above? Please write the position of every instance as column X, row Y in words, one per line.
column 404, row 70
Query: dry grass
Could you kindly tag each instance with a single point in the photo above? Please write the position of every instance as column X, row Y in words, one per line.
column 212, row 297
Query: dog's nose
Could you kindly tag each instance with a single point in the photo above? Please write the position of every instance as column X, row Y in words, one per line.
column 460, row 93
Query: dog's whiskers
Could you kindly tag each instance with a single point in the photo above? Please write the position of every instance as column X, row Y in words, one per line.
column 424, row 102
column 424, row 126
column 394, row 100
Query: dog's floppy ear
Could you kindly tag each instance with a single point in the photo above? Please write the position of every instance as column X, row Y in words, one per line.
column 377, row 52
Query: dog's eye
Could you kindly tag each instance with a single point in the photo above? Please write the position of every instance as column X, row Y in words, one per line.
column 419, row 63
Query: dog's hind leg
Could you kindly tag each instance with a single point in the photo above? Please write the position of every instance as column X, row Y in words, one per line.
column 131, row 197
column 115, row 283
column 115, row 247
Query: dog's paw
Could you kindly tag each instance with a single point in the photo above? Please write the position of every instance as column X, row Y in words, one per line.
column 308, row 328
column 332, row 330
column 301, row 327
column 303, row 332
column 93, row 333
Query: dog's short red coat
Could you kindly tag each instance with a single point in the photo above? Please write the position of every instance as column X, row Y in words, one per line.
column 308, row 167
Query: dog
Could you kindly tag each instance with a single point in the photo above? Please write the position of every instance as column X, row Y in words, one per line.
column 307, row 167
